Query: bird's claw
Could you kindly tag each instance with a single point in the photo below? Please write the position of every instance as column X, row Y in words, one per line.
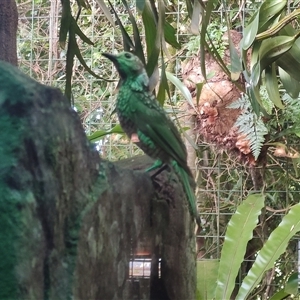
column 157, row 164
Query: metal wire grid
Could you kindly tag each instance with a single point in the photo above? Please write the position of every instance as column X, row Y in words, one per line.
column 223, row 182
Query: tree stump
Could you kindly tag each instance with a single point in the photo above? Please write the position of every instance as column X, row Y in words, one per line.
column 72, row 224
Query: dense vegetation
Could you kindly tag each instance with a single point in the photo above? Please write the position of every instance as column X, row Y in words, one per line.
column 166, row 35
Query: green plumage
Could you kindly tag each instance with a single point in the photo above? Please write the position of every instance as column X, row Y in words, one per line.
column 146, row 123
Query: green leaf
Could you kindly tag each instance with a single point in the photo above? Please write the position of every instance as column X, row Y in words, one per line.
column 76, row 51
column 78, row 31
column 106, row 12
column 280, row 23
column 205, row 23
column 291, row 85
column 290, row 30
column 272, row 86
column 290, row 61
column 183, row 89
column 163, row 86
column 254, row 97
column 268, row 11
column 235, row 61
column 199, row 87
column 159, row 39
column 65, row 23
column 292, row 284
column 70, row 26
column 140, row 4
column 254, row 55
column 127, row 43
column 152, row 47
column 102, row 133
column 272, row 48
column 207, row 271
column 282, row 294
column 170, row 36
column 256, row 74
column 239, row 232
column 272, row 249
column 195, row 20
column 250, row 32
column 189, row 8
column 296, row 162
column 215, row 54
column 83, row 3
column 190, row 140
column 136, row 34
column 72, row 45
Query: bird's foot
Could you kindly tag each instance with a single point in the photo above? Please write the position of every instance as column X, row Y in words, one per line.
column 157, row 164
column 134, row 138
column 159, row 171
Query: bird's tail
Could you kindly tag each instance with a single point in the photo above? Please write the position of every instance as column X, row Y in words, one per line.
column 184, row 177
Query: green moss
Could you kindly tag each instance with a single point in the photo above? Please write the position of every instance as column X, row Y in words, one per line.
column 11, row 200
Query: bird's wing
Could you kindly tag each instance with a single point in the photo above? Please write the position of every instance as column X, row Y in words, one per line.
column 152, row 121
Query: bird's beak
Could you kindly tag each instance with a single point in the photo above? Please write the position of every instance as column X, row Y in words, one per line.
column 111, row 57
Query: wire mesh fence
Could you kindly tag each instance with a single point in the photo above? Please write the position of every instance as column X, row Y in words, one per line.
column 223, row 180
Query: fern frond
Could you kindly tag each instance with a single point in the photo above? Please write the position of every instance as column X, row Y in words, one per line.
column 292, row 112
column 250, row 125
column 257, row 137
column 241, row 103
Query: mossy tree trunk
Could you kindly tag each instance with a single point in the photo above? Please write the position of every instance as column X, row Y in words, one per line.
column 8, row 31
column 70, row 222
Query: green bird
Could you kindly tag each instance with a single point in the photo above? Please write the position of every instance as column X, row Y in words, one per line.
column 146, row 123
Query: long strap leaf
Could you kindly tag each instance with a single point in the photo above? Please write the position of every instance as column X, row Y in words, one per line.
column 239, row 232
column 272, row 249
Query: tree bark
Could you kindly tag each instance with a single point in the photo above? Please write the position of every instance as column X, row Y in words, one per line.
column 8, row 31
column 70, row 221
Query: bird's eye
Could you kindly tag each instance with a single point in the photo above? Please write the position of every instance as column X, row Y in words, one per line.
column 127, row 55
